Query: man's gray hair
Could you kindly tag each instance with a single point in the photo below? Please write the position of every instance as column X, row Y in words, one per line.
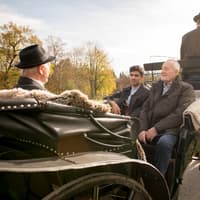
column 175, row 64
column 28, row 71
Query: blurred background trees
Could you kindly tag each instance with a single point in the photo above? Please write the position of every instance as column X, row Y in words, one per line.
column 86, row 68
column 12, row 39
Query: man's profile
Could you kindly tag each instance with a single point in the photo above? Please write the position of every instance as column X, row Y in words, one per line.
column 35, row 66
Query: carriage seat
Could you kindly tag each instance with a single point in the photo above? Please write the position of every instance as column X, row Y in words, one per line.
column 194, row 112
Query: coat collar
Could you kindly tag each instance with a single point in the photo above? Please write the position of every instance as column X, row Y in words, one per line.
column 25, row 82
column 173, row 86
column 138, row 90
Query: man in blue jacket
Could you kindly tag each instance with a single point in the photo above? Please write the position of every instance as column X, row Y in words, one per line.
column 129, row 101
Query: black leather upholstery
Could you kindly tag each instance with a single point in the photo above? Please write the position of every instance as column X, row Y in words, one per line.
column 44, row 128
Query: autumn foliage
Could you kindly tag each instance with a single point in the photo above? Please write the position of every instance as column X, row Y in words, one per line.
column 86, row 68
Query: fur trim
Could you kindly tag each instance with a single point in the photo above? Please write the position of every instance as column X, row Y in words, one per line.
column 68, row 97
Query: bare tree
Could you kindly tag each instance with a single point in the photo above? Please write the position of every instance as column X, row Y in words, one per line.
column 56, row 47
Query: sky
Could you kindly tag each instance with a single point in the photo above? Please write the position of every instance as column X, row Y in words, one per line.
column 131, row 32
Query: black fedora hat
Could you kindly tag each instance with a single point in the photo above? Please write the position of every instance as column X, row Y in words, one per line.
column 196, row 17
column 32, row 56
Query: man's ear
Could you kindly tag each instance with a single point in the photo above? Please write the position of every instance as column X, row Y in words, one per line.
column 177, row 72
column 142, row 79
column 40, row 69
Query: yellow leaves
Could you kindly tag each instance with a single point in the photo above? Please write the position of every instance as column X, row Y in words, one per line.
column 33, row 39
column 86, row 69
column 102, row 79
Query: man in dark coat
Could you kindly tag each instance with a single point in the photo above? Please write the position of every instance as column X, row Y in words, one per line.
column 161, row 115
column 35, row 65
column 129, row 101
column 190, row 55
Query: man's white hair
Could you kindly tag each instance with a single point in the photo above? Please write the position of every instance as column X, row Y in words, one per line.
column 28, row 71
column 175, row 64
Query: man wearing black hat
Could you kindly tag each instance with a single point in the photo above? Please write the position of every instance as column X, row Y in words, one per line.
column 190, row 55
column 35, row 65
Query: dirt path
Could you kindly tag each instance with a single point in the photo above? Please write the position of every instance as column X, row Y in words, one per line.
column 190, row 189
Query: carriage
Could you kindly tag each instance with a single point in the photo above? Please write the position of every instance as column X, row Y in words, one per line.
column 53, row 151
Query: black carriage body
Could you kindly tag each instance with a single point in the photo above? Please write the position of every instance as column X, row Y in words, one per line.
column 47, row 147
column 54, row 129
column 39, row 178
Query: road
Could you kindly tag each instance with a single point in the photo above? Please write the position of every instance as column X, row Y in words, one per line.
column 190, row 189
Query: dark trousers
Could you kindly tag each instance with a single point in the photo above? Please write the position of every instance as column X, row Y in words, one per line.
column 164, row 147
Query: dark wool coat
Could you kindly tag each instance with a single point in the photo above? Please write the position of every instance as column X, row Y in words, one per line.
column 136, row 101
column 28, row 84
column 164, row 112
column 190, row 57
column 190, row 46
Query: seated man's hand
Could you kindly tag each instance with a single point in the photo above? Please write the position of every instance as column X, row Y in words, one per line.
column 151, row 133
column 115, row 108
column 142, row 136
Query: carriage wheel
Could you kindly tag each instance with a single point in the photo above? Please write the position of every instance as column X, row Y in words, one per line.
column 100, row 186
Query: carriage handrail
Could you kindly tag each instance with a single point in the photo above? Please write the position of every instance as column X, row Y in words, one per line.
column 104, row 144
column 109, row 131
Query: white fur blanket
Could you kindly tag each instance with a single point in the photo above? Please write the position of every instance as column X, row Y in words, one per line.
column 194, row 111
column 68, row 97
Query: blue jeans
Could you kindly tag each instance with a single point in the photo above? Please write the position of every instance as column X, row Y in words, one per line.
column 164, row 148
